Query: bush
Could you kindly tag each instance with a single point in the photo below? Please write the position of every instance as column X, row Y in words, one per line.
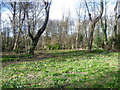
column 117, row 42
column 57, row 46
column 113, row 43
column 98, row 42
column 17, row 50
column 53, row 47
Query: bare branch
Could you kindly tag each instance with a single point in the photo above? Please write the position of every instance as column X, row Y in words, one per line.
column 101, row 12
column 90, row 17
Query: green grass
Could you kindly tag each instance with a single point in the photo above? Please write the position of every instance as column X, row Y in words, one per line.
column 68, row 69
column 17, row 57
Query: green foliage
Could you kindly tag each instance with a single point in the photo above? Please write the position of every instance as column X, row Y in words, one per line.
column 114, row 41
column 81, row 36
column 68, row 69
column 117, row 46
column 7, row 58
column 53, row 47
column 56, row 46
column 98, row 41
column 17, row 50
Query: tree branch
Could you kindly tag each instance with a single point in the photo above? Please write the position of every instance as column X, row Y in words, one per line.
column 29, row 33
column 41, row 30
column 89, row 14
column 101, row 12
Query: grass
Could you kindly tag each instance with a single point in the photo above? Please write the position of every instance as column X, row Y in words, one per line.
column 68, row 69
column 16, row 57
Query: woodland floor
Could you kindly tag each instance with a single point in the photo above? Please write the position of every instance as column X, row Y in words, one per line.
column 36, row 57
column 61, row 69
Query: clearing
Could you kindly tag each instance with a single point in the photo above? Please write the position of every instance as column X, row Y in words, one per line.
column 62, row 69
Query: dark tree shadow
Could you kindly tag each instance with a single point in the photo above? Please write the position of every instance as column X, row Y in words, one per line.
column 77, row 53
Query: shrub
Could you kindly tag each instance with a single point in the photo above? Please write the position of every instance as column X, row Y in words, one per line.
column 53, row 47
column 17, row 50
column 98, row 42
column 117, row 42
column 57, row 46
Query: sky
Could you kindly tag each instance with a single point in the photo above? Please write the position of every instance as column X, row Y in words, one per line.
column 57, row 8
column 60, row 7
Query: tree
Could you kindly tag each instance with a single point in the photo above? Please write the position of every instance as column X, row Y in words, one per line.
column 93, row 22
column 117, row 16
column 35, row 38
column 17, row 20
column 116, row 27
column 13, row 20
column 20, row 21
column 78, row 11
column 104, row 25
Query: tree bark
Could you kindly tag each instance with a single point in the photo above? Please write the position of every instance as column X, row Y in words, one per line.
column 90, row 39
column 13, row 5
column 117, row 16
column 116, row 44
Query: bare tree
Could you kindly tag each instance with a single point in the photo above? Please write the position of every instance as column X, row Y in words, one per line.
column 35, row 38
column 78, row 11
column 104, row 25
column 93, row 21
column 20, row 21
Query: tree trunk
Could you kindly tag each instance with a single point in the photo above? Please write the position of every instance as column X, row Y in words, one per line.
column 32, row 47
column 17, row 40
column 77, row 35
column 14, row 22
column 116, row 27
column 104, row 29
column 90, row 39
